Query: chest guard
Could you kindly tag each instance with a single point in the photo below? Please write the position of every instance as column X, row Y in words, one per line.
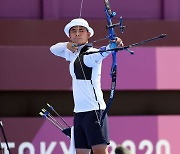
column 81, row 71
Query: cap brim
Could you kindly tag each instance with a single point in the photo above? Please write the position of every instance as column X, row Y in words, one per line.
column 70, row 25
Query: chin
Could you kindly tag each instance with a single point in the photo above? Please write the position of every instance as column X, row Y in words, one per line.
column 81, row 43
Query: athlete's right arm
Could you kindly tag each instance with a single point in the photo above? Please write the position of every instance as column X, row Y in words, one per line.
column 61, row 50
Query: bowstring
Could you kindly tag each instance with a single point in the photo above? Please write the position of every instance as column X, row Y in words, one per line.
column 80, row 12
column 92, row 97
column 80, row 16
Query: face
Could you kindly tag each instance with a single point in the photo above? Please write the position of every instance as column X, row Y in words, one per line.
column 79, row 35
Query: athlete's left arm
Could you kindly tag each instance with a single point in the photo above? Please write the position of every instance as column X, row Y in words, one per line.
column 96, row 58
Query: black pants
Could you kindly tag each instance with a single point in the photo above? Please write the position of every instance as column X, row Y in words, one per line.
column 88, row 131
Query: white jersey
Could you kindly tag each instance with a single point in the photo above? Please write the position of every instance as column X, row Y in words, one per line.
column 86, row 75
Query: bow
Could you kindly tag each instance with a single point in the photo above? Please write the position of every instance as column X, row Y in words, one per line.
column 112, row 38
column 114, row 49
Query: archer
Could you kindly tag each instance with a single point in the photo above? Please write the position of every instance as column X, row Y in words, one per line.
column 85, row 70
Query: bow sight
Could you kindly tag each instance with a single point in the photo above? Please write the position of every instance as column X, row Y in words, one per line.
column 120, row 24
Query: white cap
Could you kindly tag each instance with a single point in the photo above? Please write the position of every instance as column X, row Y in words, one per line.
column 78, row 22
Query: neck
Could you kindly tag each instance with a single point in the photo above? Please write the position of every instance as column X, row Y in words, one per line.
column 83, row 43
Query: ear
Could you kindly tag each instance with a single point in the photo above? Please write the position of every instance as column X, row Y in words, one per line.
column 89, row 34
